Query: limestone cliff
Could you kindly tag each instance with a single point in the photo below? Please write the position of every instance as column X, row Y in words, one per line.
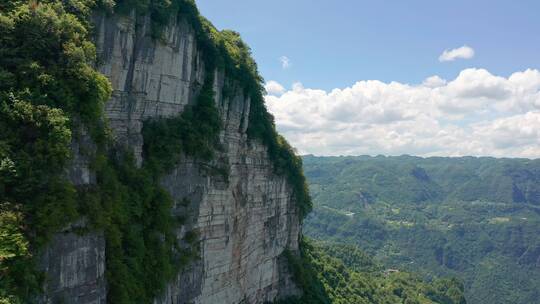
column 245, row 220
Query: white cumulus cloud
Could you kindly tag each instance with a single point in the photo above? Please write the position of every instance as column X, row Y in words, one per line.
column 434, row 82
column 463, row 52
column 285, row 62
column 477, row 113
column 274, row 88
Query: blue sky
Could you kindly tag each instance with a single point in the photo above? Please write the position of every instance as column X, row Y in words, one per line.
column 367, row 77
column 335, row 43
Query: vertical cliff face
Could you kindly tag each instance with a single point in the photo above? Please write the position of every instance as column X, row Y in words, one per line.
column 245, row 218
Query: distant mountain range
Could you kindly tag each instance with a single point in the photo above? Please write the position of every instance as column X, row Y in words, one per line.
column 414, row 179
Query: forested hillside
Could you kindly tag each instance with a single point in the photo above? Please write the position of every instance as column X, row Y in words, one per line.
column 343, row 274
column 474, row 218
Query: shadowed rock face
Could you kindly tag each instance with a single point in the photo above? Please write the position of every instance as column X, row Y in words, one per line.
column 75, row 267
column 245, row 220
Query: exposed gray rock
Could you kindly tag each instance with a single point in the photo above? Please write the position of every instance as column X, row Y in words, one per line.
column 75, row 269
column 74, row 263
column 245, row 220
column 150, row 78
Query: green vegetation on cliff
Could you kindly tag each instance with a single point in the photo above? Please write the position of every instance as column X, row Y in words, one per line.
column 50, row 93
column 476, row 219
column 226, row 51
column 46, row 78
column 331, row 273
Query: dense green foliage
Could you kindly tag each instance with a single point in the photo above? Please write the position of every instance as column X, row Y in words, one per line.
column 330, row 273
column 14, row 252
column 473, row 218
column 12, row 240
column 46, row 78
column 46, row 59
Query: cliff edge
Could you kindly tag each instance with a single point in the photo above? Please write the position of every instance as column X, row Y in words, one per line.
column 235, row 209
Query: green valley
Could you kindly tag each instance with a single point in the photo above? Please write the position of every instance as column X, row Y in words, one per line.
column 336, row 273
column 476, row 219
